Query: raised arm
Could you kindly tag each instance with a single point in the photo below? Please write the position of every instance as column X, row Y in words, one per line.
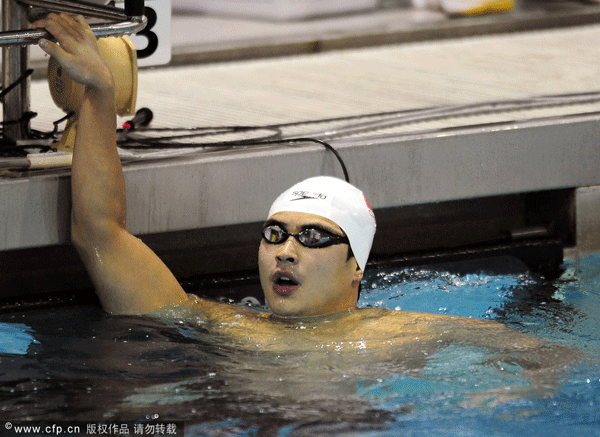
column 129, row 278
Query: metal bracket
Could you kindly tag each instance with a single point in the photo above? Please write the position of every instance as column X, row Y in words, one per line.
column 15, row 39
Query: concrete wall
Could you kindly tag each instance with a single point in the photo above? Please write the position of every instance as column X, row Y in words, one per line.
column 237, row 187
column 587, row 201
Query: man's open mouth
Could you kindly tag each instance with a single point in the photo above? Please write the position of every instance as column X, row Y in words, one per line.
column 284, row 283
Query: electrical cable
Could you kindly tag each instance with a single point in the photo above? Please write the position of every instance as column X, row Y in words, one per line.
column 24, row 120
column 16, row 83
column 26, row 117
column 315, row 140
column 243, row 143
column 142, row 118
column 375, row 121
column 144, row 115
column 171, row 141
column 136, row 138
column 392, row 119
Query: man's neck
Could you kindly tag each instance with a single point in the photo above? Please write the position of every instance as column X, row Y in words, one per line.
column 317, row 319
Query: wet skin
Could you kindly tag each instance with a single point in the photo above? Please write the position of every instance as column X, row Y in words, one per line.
column 373, row 340
column 311, row 292
column 300, row 281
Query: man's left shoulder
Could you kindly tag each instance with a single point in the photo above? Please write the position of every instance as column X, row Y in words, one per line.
column 381, row 317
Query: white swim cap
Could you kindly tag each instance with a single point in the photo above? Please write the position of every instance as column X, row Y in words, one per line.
column 338, row 201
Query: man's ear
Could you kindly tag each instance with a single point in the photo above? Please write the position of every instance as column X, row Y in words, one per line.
column 358, row 275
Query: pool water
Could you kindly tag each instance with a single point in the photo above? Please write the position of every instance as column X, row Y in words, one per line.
column 79, row 364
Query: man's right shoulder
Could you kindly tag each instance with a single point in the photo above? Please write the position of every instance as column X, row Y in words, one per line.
column 208, row 310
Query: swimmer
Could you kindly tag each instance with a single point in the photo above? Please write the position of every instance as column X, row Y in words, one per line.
column 312, row 253
column 314, row 248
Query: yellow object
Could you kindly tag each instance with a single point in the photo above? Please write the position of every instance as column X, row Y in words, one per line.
column 489, row 7
column 121, row 57
column 49, row 160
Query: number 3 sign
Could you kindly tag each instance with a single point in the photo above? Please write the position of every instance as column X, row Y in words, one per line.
column 153, row 44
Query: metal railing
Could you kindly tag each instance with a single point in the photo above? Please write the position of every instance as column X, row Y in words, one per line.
column 16, row 37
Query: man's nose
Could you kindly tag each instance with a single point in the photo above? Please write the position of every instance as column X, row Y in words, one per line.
column 287, row 251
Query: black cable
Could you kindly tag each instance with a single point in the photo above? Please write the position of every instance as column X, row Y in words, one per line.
column 59, row 121
column 24, row 120
column 26, row 117
column 132, row 141
column 136, row 143
column 128, row 139
column 321, row 142
column 144, row 116
column 39, row 135
column 16, row 83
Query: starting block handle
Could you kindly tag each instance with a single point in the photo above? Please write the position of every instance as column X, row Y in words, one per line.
column 135, row 21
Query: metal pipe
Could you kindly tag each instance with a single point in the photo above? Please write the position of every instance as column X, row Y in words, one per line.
column 78, row 7
column 15, row 62
column 37, row 161
column 32, row 36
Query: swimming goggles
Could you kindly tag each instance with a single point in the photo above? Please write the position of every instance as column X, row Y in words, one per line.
column 312, row 238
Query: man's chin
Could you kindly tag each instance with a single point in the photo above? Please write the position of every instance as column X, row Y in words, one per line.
column 287, row 311
column 295, row 313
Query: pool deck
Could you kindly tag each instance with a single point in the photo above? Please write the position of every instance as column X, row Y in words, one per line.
column 200, row 38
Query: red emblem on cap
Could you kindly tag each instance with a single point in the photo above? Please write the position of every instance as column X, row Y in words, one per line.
column 369, row 206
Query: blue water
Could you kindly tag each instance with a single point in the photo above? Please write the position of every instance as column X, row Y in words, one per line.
column 80, row 364
column 565, row 311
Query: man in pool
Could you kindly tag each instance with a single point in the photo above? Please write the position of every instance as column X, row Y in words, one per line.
column 306, row 261
column 311, row 258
